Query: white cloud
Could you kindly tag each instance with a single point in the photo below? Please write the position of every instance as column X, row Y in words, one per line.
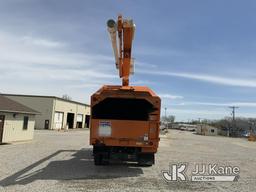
column 208, row 110
column 41, row 66
column 197, row 112
column 230, row 81
column 189, row 114
column 86, row 85
column 142, row 82
column 239, row 104
column 176, row 104
column 24, row 56
column 206, row 103
column 153, row 51
column 244, row 104
column 42, row 42
column 30, row 60
column 144, row 65
column 169, row 96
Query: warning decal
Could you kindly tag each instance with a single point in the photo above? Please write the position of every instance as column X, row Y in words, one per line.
column 104, row 128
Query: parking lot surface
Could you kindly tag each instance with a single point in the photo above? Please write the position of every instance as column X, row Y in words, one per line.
column 62, row 161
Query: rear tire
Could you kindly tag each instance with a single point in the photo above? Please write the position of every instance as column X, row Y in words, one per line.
column 101, row 158
column 97, row 159
column 146, row 159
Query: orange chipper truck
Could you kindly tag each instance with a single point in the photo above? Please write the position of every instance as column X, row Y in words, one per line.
column 125, row 119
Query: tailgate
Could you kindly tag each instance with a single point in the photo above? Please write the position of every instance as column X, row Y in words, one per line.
column 124, row 133
column 120, row 129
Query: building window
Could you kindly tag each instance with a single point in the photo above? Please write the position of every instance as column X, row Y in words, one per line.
column 212, row 130
column 25, row 123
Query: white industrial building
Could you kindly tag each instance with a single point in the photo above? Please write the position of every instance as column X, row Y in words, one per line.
column 17, row 121
column 55, row 112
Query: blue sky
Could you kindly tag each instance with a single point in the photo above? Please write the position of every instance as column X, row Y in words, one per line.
column 199, row 56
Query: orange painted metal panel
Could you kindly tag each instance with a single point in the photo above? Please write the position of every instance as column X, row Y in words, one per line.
column 127, row 133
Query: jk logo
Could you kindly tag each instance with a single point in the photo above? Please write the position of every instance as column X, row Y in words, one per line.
column 176, row 172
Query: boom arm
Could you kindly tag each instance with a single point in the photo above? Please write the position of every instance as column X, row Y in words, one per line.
column 124, row 62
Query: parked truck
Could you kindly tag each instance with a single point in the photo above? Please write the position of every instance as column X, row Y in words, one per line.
column 125, row 119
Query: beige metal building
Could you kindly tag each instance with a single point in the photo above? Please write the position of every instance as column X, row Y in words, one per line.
column 17, row 121
column 207, row 130
column 55, row 112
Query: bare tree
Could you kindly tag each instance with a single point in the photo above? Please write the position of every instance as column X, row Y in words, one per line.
column 66, row 97
column 169, row 119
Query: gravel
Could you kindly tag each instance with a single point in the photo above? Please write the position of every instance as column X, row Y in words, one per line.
column 62, row 161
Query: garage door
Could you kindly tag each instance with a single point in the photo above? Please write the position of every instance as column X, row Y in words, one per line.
column 79, row 118
column 58, row 120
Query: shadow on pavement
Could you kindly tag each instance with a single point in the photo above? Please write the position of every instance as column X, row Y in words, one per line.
column 80, row 166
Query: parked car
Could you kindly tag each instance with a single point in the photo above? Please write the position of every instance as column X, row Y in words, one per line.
column 245, row 133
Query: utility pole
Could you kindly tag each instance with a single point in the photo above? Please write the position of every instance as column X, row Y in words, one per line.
column 233, row 118
column 200, row 124
column 166, row 122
